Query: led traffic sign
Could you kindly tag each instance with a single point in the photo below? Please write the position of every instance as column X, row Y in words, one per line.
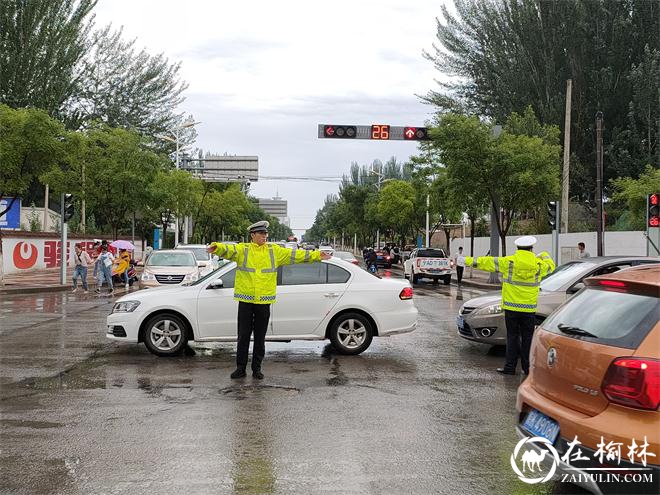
column 339, row 131
column 654, row 210
column 378, row 132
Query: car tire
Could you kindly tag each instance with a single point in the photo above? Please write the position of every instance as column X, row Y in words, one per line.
column 165, row 335
column 351, row 333
column 447, row 280
column 415, row 278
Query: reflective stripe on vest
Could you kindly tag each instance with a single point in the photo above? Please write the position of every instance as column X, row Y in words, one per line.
column 293, row 256
column 244, row 268
column 267, row 298
column 244, row 297
column 272, row 268
column 232, row 255
column 306, row 255
column 496, row 261
column 474, row 262
column 536, row 282
column 518, row 305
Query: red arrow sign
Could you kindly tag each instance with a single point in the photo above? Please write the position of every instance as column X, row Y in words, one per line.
column 409, row 132
column 329, row 130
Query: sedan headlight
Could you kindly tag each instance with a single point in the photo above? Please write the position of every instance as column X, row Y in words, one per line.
column 125, row 306
column 148, row 276
column 493, row 309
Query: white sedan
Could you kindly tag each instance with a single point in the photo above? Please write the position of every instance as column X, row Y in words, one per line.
column 315, row 301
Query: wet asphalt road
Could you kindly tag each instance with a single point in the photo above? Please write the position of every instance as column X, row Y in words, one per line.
column 422, row 412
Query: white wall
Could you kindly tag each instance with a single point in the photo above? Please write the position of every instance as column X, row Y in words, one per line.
column 616, row 243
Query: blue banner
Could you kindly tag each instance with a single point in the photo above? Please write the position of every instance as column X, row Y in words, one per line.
column 11, row 219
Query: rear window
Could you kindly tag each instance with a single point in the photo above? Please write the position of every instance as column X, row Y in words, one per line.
column 615, row 318
column 431, row 253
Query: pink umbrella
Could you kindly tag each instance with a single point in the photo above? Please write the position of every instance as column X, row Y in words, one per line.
column 123, row 245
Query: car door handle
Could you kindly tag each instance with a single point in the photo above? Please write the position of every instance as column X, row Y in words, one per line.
column 331, row 294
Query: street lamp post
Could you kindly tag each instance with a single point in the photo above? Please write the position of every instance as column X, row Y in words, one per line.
column 427, row 220
column 176, row 131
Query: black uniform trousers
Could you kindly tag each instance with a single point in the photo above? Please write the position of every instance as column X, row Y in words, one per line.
column 252, row 319
column 459, row 273
column 519, row 333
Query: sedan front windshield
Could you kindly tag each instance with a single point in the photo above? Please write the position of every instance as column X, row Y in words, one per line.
column 564, row 274
column 184, row 258
column 222, row 263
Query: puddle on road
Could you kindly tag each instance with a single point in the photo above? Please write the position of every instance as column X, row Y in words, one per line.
column 21, row 423
column 240, row 392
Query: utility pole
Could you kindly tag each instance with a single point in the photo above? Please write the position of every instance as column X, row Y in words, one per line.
column 427, row 220
column 63, row 250
column 567, row 159
column 599, row 183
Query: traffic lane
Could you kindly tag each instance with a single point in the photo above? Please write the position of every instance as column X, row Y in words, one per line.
column 416, row 412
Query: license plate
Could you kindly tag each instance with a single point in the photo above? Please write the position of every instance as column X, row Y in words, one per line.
column 459, row 322
column 433, row 263
column 539, row 425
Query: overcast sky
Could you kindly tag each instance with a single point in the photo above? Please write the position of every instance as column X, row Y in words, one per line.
column 262, row 75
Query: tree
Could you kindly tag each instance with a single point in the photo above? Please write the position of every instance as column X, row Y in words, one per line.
column 633, row 193
column 30, row 143
column 395, row 207
column 509, row 54
column 125, row 88
column 121, row 169
column 41, row 45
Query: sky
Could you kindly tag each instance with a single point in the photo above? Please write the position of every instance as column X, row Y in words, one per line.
column 263, row 74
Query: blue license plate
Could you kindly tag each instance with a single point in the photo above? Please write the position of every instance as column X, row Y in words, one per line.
column 459, row 322
column 539, row 425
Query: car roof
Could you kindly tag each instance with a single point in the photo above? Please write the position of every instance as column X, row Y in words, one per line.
column 177, row 251
column 602, row 259
column 184, row 246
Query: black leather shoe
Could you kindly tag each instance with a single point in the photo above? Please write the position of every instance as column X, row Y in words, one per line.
column 238, row 373
column 258, row 375
column 505, row 371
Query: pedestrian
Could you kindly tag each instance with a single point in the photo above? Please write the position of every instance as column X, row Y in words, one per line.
column 460, row 264
column 255, row 288
column 105, row 266
column 523, row 272
column 581, row 252
column 96, row 251
column 123, row 264
column 82, row 260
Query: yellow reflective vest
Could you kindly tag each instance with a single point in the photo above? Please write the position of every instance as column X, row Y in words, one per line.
column 256, row 273
column 523, row 272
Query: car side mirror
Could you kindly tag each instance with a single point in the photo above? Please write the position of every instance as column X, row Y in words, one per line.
column 576, row 288
column 216, row 284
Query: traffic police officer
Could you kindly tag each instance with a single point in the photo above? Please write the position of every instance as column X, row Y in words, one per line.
column 523, row 272
column 254, row 288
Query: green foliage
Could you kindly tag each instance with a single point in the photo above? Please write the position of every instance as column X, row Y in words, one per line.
column 30, row 142
column 633, row 193
column 512, row 54
column 41, row 45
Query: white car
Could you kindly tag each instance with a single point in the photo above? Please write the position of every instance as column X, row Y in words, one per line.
column 205, row 260
column 332, row 300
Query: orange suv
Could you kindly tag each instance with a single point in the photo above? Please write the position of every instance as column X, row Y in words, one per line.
column 594, row 385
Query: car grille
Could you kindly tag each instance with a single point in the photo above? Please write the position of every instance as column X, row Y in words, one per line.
column 466, row 310
column 169, row 279
column 465, row 331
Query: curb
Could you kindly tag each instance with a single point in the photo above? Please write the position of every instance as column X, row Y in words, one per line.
column 477, row 285
column 33, row 290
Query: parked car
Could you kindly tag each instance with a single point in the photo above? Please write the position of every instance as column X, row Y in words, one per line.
column 205, row 260
column 346, row 256
column 407, row 250
column 169, row 267
column 431, row 263
column 315, row 301
column 595, row 377
column 327, row 249
column 481, row 319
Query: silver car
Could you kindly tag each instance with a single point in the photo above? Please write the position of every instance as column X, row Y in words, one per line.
column 482, row 319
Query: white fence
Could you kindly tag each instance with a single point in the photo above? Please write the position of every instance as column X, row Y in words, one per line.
column 631, row 243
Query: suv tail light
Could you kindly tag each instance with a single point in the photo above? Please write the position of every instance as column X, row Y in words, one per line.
column 633, row 382
column 406, row 293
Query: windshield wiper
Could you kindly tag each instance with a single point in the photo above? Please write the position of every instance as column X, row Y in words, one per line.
column 574, row 331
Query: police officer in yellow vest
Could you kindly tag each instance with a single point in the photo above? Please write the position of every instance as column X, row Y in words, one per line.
column 254, row 288
column 522, row 273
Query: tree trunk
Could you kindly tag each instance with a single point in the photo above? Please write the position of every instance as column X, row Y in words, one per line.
column 471, row 236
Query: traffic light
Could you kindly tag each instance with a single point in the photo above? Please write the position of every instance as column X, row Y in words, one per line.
column 654, row 210
column 68, row 207
column 340, row 131
column 415, row 134
column 552, row 214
